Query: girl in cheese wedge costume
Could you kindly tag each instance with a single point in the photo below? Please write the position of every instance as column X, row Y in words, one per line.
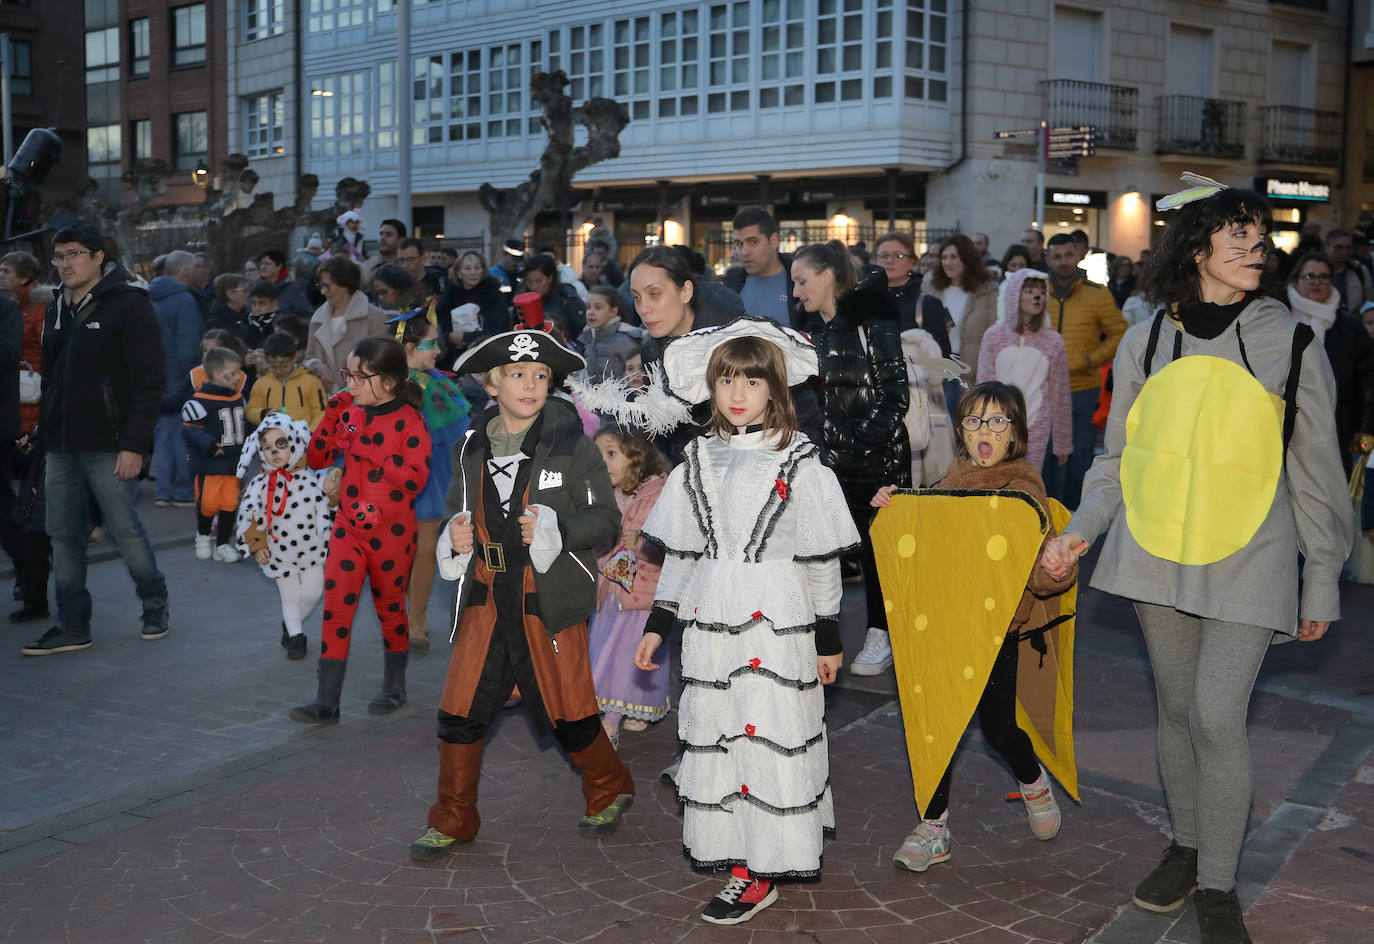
column 992, row 458
column 752, row 525
column 1221, row 468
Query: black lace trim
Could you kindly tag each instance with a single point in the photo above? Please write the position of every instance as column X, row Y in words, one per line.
column 754, row 801
column 986, row 493
column 749, row 624
column 720, row 748
column 696, row 492
column 774, row 507
column 670, row 551
column 746, row 670
column 719, row 864
column 828, row 555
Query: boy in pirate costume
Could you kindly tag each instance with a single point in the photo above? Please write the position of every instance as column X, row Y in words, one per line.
column 529, row 502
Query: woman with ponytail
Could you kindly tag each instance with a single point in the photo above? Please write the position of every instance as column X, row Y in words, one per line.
column 859, row 346
column 376, row 428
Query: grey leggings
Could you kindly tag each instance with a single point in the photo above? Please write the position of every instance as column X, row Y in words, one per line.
column 1204, row 671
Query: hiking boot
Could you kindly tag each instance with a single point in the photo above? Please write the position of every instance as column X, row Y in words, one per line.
column 1171, row 882
column 155, row 618
column 605, row 822
column 1219, row 918
column 205, row 547
column 928, row 844
column 1041, row 809
column 296, row 646
column 56, row 640
column 876, row 656
column 433, row 846
column 739, row 900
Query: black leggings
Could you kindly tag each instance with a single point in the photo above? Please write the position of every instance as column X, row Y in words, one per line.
column 997, row 717
column 873, row 591
column 227, row 520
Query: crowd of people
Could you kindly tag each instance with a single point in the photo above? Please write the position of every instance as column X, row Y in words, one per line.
column 369, row 414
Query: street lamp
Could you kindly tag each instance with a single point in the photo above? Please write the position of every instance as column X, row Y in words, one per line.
column 201, row 175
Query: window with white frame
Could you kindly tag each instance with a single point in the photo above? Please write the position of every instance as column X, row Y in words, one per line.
column 507, row 91
column 782, row 57
column 263, row 18
column 338, row 115
column 728, row 46
column 465, row 95
column 884, row 68
column 679, row 56
column 631, row 65
column 386, row 104
column 264, row 132
column 587, row 61
column 427, row 105
column 324, row 16
column 839, row 51
column 102, row 55
column 925, row 72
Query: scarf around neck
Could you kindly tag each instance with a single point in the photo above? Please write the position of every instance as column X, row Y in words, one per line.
column 1319, row 315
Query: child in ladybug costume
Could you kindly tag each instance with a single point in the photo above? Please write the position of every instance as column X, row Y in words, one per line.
column 376, row 427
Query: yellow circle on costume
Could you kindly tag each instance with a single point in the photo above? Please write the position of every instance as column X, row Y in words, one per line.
column 921, row 622
column 997, row 547
column 989, row 604
column 998, row 640
column 968, row 672
column 930, row 739
column 906, row 545
column 916, row 689
column 1204, row 448
column 887, row 605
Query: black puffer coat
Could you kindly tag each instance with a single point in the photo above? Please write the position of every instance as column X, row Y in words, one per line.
column 865, row 394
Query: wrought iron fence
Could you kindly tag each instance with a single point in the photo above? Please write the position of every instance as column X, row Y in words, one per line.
column 1191, row 124
column 1300, row 135
column 1112, row 109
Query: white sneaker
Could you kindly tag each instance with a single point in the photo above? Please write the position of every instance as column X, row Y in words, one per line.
column 927, row 845
column 1041, row 809
column 227, row 554
column 205, row 547
column 876, row 656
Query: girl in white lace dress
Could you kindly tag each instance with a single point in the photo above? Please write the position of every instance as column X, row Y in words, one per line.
column 752, row 525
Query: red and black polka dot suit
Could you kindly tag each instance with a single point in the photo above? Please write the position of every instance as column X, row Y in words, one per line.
column 386, row 453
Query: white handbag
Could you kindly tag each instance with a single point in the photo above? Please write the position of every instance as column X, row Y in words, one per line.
column 30, row 384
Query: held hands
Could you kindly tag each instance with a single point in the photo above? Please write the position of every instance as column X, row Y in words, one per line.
column 1061, row 552
column 263, row 556
column 330, row 485
column 527, row 523
column 828, row 666
column 644, row 652
column 882, row 498
column 1064, row 459
column 460, row 533
column 1312, row 630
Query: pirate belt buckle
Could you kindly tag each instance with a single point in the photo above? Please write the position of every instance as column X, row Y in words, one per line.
column 495, row 557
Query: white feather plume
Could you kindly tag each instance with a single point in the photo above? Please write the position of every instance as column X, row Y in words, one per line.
column 653, row 410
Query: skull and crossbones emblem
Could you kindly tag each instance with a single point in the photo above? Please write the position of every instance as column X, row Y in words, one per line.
column 524, row 345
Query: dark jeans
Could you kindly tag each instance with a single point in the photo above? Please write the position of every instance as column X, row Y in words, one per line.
column 72, row 479
column 1065, row 482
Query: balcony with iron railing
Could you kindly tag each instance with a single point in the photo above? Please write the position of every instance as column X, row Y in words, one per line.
column 1294, row 135
column 1111, row 109
column 1208, row 127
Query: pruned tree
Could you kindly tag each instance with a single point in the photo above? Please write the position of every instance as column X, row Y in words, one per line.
column 513, row 210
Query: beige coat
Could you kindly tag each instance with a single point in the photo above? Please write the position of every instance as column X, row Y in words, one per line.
column 362, row 319
column 980, row 313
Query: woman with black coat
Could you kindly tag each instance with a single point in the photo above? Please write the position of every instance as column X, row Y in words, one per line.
column 865, row 399
column 471, row 283
column 562, row 305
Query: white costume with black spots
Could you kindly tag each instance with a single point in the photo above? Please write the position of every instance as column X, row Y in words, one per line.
column 752, row 537
column 296, row 530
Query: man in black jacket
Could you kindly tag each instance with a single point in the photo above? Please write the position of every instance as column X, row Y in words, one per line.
column 102, row 382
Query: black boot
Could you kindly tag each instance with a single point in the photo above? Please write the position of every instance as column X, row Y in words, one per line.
column 325, row 708
column 285, row 636
column 393, row 693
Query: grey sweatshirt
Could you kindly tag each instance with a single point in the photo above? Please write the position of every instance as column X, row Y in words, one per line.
column 1310, row 514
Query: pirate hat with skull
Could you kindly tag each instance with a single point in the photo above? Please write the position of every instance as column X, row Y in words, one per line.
column 519, row 347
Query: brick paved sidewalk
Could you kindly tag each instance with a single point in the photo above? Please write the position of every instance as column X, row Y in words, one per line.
column 319, row 854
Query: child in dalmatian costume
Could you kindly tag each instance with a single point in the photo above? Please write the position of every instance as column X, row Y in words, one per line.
column 375, row 426
column 284, row 521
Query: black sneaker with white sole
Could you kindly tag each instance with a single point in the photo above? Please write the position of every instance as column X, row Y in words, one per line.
column 738, row 901
column 1168, row 886
column 56, row 640
column 155, row 616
